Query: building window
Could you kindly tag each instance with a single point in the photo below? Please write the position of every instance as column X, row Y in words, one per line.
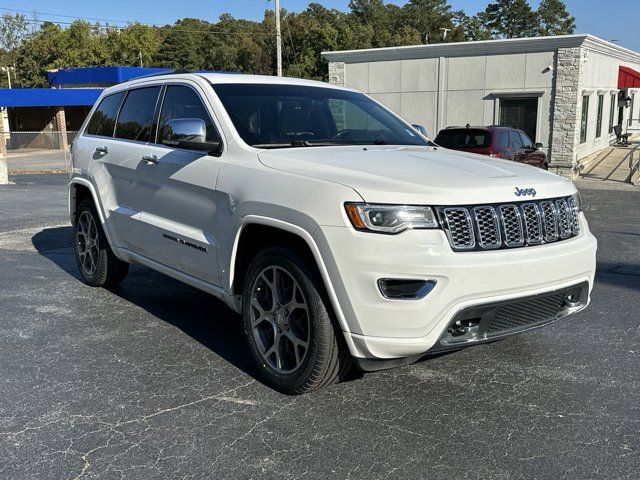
column 520, row 113
column 612, row 111
column 633, row 97
column 584, row 118
column 599, row 117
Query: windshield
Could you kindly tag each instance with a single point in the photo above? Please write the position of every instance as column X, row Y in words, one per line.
column 280, row 116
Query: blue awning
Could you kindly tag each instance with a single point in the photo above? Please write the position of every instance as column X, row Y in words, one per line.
column 99, row 75
column 48, row 97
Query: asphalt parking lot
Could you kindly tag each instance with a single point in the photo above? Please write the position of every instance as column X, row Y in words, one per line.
column 151, row 380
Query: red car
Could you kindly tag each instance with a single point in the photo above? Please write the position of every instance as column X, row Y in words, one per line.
column 495, row 141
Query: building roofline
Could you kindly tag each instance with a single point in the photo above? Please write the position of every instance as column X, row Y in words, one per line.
column 484, row 47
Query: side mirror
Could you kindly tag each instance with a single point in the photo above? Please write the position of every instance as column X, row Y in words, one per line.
column 420, row 129
column 539, row 146
column 188, row 133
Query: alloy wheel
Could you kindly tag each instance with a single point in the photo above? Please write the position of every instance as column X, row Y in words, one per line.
column 87, row 242
column 280, row 319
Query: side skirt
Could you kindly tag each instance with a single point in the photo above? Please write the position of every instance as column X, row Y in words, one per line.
column 215, row 290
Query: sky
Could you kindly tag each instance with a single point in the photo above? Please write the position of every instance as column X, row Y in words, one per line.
column 608, row 19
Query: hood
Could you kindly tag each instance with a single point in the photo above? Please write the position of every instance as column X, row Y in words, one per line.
column 419, row 175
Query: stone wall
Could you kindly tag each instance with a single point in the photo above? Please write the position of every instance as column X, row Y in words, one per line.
column 566, row 108
column 336, row 73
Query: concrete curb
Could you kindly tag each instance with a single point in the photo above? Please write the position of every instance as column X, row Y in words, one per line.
column 4, row 171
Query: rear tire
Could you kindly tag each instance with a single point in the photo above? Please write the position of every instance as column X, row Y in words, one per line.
column 289, row 326
column 98, row 265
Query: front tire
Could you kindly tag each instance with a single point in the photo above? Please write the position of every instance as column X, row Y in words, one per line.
column 98, row 265
column 288, row 323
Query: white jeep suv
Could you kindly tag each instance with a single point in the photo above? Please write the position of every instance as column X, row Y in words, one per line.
column 340, row 233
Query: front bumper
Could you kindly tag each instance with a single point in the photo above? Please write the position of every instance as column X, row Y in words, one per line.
column 381, row 328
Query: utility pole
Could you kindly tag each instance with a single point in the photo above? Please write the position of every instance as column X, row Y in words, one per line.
column 278, row 39
column 8, row 70
column 140, row 57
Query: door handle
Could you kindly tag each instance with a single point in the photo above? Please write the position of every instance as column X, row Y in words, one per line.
column 103, row 150
column 150, row 159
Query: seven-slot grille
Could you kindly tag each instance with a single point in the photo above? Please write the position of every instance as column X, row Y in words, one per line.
column 488, row 227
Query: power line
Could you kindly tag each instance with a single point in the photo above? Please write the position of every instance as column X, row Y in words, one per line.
column 15, row 10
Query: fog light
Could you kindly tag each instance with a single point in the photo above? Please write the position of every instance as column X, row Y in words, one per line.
column 403, row 289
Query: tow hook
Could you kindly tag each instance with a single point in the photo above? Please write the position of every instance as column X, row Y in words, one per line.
column 469, row 327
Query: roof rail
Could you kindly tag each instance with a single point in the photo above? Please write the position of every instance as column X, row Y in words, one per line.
column 168, row 72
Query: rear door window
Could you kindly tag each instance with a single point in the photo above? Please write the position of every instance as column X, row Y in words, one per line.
column 135, row 121
column 103, row 119
column 516, row 141
column 467, row 138
column 503, row 139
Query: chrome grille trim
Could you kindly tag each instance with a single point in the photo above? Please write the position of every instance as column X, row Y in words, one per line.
column 511, row 225
column 564, row 221
column 488, row 227
column 532, row 223
column 460, row 228
column 575, row 219
column 550, row 221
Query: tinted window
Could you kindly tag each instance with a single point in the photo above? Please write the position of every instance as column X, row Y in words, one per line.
column 467, row 138
column 599, row 117
column 503, row 139
column 135, row 121
column 278, row 116
column 612, row 112
column 104, row 118
column 516, row 141
column 526, row 141
column 184, row 102
column 584, row 118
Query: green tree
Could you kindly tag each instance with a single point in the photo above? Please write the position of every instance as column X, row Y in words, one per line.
column 555, row 19
column 183, row 44
column 82, row 45
column 38, row 54
column 432, row 19
column 126, row 45
column 472, row 27
column 510, row 19
column 13, row 31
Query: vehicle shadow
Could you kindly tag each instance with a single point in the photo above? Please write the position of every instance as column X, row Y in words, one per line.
column 198, row 314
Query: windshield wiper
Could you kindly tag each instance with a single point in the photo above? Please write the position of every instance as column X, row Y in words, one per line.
column 379, row 141
column 303, row 143
column 294, row 143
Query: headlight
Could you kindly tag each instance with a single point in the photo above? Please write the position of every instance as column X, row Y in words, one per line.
column 390, row 218
column 577, row 202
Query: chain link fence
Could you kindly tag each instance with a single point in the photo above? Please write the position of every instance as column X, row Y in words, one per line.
column 43, row 151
